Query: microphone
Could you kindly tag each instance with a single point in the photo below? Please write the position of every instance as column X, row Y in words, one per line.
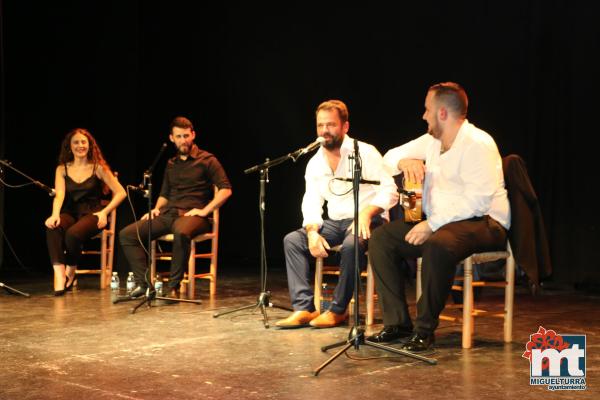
column 51, row 191
column 361, row 181
column 320, row 140
column 138, row 188
column 163, row 147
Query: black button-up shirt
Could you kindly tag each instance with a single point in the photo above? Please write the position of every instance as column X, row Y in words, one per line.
column 189, row 183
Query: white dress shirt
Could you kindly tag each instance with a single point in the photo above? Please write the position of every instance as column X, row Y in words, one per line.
column 464, row 182
column 321, row 187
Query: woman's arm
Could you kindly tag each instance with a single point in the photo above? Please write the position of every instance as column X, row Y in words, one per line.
column 118, row 194
column 59, row 188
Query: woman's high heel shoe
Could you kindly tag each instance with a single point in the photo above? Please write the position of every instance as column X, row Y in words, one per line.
column 68, row 288
column 59, row 292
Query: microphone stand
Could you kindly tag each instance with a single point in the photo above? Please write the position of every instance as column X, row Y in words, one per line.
column 264, row 298
column 356, row 336
column 39, row 184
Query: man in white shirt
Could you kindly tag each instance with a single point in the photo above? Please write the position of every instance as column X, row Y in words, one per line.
column 467, row 211
column 317, row 234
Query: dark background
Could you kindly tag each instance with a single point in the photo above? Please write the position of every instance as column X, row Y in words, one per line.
column 250, row 77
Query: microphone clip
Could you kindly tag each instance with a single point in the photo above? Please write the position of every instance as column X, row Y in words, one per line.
column 364, row 181
column 139, row 189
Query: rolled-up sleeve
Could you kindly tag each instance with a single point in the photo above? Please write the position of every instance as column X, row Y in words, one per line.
column 415, row 149
column 386, row 193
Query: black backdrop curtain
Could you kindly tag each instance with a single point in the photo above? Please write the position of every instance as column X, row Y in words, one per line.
column 250, row 77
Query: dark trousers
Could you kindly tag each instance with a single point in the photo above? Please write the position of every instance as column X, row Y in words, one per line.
column 65, row 241
column 183, row 230
column 297, row 255
column 440, row 254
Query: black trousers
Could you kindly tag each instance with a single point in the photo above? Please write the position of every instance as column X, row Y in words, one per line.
column 65, row 241
column 440, row 254
column 183, row 230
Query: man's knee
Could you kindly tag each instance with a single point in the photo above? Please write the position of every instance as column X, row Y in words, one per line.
column 378, row 238
column 437, row 244
column 293, row 240
column 127, row 235
column 347, row 250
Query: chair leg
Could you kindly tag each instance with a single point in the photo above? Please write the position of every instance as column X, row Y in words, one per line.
column 213, row 260
column 110, row 258
column 153, row 262
column 509, row 296
column 370, row 300
column 418, row 283
column 318, row 282
column 213, row 274
column 103, row 259
column 192, row 272
column 111, row 249
column 468, row 323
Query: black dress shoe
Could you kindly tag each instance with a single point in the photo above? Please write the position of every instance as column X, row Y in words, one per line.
column 390, row 333
column 137, row 292
column 419, row 342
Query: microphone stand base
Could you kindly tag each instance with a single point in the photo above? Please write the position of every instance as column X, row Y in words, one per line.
column 263, row 301
column 149, row 297
column 356, row 338
column 12, row 290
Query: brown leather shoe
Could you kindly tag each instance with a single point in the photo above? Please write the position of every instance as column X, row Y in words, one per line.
column 298, row 319
column 328, row 320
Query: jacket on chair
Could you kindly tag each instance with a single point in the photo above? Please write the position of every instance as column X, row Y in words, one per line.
column 527, row 234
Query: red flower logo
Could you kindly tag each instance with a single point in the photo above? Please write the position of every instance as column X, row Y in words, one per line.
column 544, row 339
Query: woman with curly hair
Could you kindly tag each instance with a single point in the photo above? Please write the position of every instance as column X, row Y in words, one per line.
column 82, row 179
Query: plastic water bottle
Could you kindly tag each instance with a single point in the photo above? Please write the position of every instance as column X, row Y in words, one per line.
column 326, row 297
column 158, row 285
column 130, row 283
column 115, row 285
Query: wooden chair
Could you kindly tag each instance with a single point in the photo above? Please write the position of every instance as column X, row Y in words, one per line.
column 469, row 312
column 191, row 275
column 321, row 270
column 106, row 252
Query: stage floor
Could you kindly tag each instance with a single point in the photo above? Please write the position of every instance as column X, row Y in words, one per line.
column 81, row 346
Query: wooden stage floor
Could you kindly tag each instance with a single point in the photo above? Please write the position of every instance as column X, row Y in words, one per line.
column 81, row 346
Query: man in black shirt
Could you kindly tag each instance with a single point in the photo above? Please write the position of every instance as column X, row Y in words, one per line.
column 185, row 202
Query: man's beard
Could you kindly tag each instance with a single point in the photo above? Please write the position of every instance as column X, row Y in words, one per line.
column 184, row 149
column 435, row 130
column 335, row 143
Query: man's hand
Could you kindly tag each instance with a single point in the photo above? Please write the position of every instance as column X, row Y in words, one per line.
column 197, row 211
column 419, row 233
column 364, row 225
column 155, row 213
column 317, row 245
column 413, row 170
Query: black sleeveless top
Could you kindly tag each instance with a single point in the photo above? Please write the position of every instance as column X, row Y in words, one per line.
column 83, row 197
